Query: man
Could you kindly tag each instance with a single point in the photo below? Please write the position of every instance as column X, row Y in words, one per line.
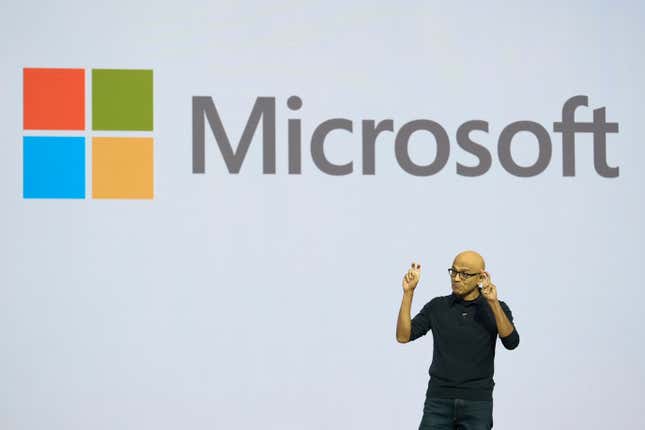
column 464, row 325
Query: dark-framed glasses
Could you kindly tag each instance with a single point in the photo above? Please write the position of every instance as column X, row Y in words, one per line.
column 463, row 275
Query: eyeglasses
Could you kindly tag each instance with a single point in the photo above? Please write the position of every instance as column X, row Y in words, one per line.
column 463, row 275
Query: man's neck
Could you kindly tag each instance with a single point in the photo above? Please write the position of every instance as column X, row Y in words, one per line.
column 472, row 295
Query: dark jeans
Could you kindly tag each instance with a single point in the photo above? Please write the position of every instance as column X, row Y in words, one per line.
column 457, row 414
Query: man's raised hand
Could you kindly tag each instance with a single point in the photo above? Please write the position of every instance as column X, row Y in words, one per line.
column 411, row 278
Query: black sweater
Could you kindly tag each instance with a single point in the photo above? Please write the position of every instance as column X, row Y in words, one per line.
column 464, row 335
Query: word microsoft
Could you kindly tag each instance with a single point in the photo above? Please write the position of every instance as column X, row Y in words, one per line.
column 264, row 112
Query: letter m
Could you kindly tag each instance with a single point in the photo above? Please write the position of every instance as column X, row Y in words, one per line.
column 204, row 108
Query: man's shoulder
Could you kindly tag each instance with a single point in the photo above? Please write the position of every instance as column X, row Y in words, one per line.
column 439, row 300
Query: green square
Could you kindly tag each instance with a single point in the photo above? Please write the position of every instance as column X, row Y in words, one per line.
column 122, row 100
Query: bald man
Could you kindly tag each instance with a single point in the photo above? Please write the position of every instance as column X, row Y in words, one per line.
column 465, row 325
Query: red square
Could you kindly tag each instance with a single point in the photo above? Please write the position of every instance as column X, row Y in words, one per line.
column 54, row 99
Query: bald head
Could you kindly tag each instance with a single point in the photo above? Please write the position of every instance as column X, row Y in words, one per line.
column 469, row 261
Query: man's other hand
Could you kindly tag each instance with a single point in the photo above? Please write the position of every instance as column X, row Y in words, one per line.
column 411, row 278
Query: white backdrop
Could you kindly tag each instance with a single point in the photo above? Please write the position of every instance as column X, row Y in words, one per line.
column 270, row 301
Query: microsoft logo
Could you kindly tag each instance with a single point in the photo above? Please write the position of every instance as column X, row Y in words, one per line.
column 54, row 140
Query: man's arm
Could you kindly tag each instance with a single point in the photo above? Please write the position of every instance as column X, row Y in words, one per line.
column 404, row 323
column 503, row 316
column 504, row 326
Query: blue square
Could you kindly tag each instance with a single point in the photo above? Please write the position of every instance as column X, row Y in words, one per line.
column 53, row 167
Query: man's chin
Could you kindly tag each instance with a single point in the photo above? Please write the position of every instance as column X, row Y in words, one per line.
column 461, row 292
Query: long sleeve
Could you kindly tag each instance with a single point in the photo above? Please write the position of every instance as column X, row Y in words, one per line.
column 420, row 324
column 512, row 340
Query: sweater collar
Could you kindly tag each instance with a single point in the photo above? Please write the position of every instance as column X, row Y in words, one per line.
column 454, row 298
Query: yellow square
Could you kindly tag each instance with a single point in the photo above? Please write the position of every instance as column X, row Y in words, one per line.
column 122, row 167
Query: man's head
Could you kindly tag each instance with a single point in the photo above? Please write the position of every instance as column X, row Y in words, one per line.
column 466, row 269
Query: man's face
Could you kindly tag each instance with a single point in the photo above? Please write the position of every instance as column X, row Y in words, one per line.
column 466, row 281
